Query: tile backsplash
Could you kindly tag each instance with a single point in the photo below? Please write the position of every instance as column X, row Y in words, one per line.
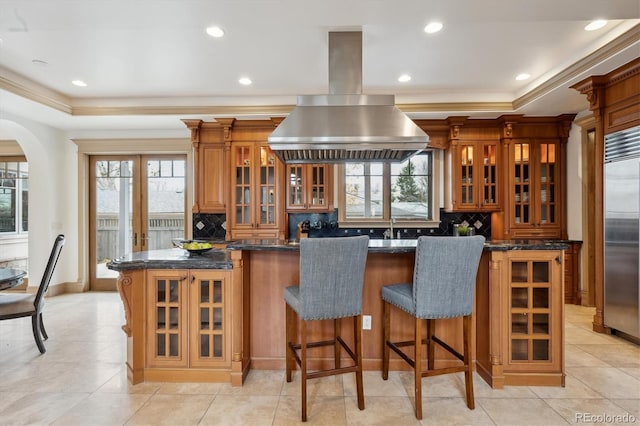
column 213, row 226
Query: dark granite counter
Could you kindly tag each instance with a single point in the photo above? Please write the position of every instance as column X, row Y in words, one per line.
column 172, row 259
column 402, row 246
column 220, row 259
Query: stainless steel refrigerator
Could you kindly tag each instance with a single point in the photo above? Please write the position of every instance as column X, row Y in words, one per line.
column 622, row 233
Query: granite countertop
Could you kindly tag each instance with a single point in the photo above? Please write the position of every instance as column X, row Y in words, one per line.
column 402, row 246
column 174, row 258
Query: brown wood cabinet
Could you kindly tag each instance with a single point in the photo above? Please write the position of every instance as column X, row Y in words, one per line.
column 210, row 165
column 256, row 185
column 475, row 185
column 572, row 273
column 520, row 326
column 189, row 319
column 309, row 187
column 534, row 172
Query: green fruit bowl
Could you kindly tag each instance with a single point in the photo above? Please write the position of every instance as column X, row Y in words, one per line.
column 192, row 246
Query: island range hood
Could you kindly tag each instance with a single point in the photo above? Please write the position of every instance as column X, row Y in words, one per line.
column 346, row 125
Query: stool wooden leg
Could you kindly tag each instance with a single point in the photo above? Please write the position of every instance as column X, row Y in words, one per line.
column 430, row 344
column 417, row 371
column 468, row 361
column 336, row 344
column 385, row 338
column 289, row 332
column 357, row 336
column 303, row 367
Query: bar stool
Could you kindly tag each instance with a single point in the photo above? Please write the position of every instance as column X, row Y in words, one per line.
column 331, row 282
column 444, row 279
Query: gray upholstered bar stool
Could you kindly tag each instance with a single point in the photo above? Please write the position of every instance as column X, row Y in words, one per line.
column 331, row 282
column 444, row 280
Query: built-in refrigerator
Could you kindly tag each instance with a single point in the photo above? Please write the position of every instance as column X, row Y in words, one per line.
column 622, row 233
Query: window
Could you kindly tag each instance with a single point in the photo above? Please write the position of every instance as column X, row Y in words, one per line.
column 14, row 196
column 383, row 191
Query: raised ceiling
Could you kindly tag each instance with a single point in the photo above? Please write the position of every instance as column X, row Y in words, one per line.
column 148, row 63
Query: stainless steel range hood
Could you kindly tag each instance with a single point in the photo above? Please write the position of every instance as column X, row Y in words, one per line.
column 346, row 125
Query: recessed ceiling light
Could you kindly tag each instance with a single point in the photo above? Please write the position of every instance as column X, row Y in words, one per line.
column 245, row 81
column 433, row 27
column 595, row 25
column 216, row 32
column 523, row 76
column 79, row 83
column 404, row 78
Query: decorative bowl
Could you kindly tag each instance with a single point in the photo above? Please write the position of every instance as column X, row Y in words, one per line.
column 184, row 245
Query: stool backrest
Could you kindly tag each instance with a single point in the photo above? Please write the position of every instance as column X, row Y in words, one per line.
column 332, row 276
column 444, row 276
column 48, row 271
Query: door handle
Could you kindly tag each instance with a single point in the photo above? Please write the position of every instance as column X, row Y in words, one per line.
column 559, row 260
column 135, row 239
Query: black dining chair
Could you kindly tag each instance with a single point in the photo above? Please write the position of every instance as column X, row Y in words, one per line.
column 21, row 305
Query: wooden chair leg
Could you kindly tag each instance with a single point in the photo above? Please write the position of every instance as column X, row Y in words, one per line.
column 468, row 361
column 430, row 345
column 42, row 330
column 35, row 325
column 386, row 323
column 289, row 332
column 417, row 371
column 303, row 367
column 336, row 345
column 357, row 337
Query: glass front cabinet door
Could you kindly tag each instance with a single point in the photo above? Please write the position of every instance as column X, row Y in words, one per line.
column 308, row 187
column 189, row 318
column 534, row 309
column 476, row 175
column 535, row 182
column 255, row 192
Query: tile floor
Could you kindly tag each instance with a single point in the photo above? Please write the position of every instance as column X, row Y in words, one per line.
column 81, row 380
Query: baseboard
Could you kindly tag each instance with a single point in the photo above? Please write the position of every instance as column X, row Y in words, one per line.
column 63, row 288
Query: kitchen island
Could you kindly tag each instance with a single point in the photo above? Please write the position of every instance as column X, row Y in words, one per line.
column 220, row 334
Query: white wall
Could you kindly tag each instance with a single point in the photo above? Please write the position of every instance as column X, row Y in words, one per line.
column 52, row 195
column 574, row 183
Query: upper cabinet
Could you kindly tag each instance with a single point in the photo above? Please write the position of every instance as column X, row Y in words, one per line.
column 535, row 175
column 255, row 194
column 309, row 187
column 210, row 152
column 474, row 164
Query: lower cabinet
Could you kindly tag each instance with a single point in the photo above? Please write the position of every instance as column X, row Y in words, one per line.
column 520, row 328
column 188, row 318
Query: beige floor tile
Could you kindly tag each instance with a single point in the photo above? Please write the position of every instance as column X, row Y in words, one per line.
column 581, row 411
column 452, row 411
column 190, row 388
column 578, row 335
column 237, row 410
column 573, row 388
column 619, row 355
column 632, row 371
column 381, row 410
column 172, row 410
column 322, row 386
column 321, row 410
column 575, row 356
column 120, row 384
column 448, row 385
column 258, row 382
column 103, row 409
column 39, row 408
column 630, row 405
column 374, row 385
column 8, row 398
column 520, row 411
column 610, row 382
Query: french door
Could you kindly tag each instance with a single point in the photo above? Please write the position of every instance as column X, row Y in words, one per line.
column 137, row 203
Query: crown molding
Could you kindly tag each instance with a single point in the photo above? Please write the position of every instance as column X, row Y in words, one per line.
column 29, row 89
column 619, row 44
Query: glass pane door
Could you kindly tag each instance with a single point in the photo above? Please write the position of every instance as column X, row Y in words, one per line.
column 122, row 220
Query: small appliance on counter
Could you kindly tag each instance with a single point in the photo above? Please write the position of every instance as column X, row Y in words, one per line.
column 303, row 230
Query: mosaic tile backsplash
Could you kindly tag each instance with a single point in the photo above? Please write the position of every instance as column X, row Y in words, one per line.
column 213, row 226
